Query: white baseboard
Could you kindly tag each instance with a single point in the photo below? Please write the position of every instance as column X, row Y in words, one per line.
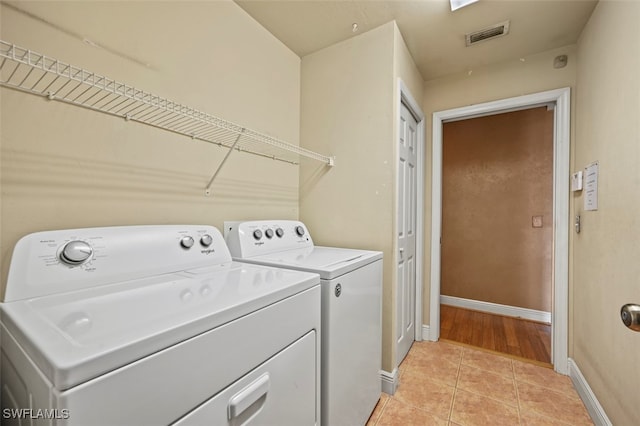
column 426, row 332
column 494, row 308
column 389, row 381
column 594, row 408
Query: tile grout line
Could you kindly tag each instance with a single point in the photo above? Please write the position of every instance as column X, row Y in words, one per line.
column 384, row 406
column 515, row 385
column 455, row 388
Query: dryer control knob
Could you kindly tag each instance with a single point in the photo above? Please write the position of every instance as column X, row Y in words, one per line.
column 257, row 234
column 299, row 230
column 187, row 242
column 269, row 233
column 206, row 240
column 76, row 252
column 279, row 232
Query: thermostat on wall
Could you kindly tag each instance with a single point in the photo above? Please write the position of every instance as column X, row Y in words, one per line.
column 576, row 181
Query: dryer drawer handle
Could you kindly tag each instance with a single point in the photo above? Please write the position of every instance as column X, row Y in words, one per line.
column 247, row 396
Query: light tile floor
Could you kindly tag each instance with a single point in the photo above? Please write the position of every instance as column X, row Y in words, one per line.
column 446, row 384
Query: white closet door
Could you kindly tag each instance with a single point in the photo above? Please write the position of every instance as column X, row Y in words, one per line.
column 406, row 232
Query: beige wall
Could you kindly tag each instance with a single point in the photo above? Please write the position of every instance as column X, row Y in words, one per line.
column 500, row 81
column 497, row 173
column 349, row 110
column 347, row 95
column 66, row 167
column 606, row 252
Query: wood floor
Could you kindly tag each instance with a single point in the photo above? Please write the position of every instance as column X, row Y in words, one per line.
column 513, row 336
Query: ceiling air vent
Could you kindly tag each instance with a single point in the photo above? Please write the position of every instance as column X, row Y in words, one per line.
column 494, row 31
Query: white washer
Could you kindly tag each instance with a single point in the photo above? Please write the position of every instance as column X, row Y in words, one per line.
column 155, row 325
column 351, row 282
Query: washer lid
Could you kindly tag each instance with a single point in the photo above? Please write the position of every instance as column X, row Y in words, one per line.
column 74, row 337
column 329, row 262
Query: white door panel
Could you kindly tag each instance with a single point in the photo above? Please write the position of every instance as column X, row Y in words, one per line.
column 406, row 232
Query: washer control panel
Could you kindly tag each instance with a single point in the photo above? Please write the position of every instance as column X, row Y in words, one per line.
column 56, row 261
column 248, row 239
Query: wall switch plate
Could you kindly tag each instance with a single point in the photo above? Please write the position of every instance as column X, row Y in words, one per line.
column 536, row 221
column 576, row 181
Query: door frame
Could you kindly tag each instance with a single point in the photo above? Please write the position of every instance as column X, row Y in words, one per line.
column 405, row 97
column 561, row 172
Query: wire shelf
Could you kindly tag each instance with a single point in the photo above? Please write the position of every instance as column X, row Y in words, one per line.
column 35, row 73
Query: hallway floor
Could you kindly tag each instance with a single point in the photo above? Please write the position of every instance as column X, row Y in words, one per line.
column 507, row 335
column 447, row 384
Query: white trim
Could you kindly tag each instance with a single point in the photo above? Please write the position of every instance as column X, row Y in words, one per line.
column 389, row 381
column 425, row 332
column 495, row 308
column 561, row 141
column 589, row 399
column 405, row 97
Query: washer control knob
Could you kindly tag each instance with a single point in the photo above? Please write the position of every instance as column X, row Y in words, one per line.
column 206, row 240
column 299, row 231
column 269, row 233
column 257, row 234
column 279, row 232
column 76, row 252
column 187, row 242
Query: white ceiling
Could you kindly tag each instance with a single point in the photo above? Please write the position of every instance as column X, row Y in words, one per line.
column 434, row 35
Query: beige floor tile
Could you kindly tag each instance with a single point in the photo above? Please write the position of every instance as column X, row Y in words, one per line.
column 533, row 419
column 545, row 377
column 397, row 413
column 417, row 391
column 470, row 409
column 375, row 416
column 548, row 403
column 435, row 369
column 488, row 384
column 488, row 361
column 423, row 352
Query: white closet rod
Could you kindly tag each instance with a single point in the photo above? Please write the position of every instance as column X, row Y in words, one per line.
column 31, row 72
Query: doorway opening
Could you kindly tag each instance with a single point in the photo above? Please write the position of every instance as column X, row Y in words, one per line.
column 497, row 239
column 559, row 217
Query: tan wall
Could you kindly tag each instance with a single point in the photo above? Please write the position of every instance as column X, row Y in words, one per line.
column 506, row 80
column 606, row 252
column 347, row 95
column 348, row 110
column 66, row 167
column 497, row 175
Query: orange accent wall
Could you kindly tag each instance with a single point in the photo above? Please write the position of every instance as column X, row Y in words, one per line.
column 498, row 175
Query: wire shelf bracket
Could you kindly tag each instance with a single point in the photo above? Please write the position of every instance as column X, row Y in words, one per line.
column 27, row 71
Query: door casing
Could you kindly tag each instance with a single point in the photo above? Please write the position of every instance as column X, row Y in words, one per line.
column 561, row 171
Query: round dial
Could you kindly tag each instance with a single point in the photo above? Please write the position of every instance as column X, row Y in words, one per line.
column 269, row 233
column 257, row 234
column 279, row 232
column 186, row 242
column 76, row 252
column 299, row 230
column 206, row 240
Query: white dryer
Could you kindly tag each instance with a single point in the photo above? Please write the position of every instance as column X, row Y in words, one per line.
column 155, row 325
column 351, row 282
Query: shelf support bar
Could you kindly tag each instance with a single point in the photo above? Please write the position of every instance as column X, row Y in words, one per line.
column 224, row 160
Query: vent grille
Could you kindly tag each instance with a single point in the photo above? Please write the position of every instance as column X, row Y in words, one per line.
column 489, row 33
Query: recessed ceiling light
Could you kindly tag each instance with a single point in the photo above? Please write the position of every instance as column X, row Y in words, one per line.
column 457, row 4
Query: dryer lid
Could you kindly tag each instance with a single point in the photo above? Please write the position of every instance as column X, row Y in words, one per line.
column 76, row 336
column 329, row 262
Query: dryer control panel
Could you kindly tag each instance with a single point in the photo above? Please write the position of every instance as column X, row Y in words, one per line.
column 56, row 261
column 254, row 238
